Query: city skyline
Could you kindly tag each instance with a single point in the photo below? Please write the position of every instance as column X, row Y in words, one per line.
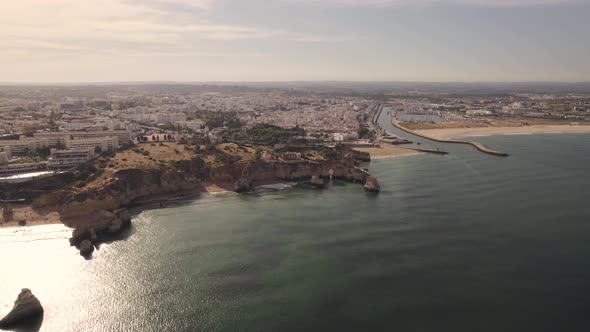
column 294, row 40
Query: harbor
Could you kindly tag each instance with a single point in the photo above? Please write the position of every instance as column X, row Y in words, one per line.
column 388, row 126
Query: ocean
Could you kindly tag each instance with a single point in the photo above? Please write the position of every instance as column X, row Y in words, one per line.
column 463, row 242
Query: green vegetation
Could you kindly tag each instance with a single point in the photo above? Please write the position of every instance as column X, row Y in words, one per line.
column 366, row 133
column 40, row 154
column 227, row 159
column 189, row 165
column 220, row 119
column 263, row 133
column 363, row 132
column 141, row 151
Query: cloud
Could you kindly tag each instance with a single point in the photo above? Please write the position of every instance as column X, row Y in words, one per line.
column 422, row 3
column 136, row 26
column 50, row 29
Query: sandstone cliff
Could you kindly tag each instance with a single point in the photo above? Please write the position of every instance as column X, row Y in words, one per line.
column 123, row 188
column 127, row 186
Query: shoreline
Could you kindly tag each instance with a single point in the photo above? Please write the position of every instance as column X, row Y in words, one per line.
column 451, row 133
column 476, row 145
column 36, row 218
column 386, row 151
column 415, row 153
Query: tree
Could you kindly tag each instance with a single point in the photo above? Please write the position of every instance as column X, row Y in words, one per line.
column 98, row 150
column 363, row 132
column 44, row 152
column 52, row 119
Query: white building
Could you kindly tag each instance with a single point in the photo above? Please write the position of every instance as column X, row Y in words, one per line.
column 13, row 169
column 24, row 145
column 56, row 138
column 63, row 159
column 104, row 144
column 3, row 158
column 7, row 150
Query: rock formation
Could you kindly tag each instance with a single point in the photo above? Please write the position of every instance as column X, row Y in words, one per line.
column 26, row 309
column 244, row 183
column 317, row 181
column 7, row 213
column 106, row 226
column 361, row 156
column 86, row 248
column 372, row 185
column 123, row 188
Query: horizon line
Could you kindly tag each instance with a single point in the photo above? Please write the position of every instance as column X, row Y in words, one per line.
column 149, row 82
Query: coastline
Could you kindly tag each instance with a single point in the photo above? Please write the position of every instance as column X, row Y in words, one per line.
column 449, row 133
column 32, row 217
column 39, row 218
column 391, row 156
column 386, row 151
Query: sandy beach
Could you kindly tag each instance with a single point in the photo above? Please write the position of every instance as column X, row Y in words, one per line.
column 449, row 133
column 386, row 150
column 31, row 216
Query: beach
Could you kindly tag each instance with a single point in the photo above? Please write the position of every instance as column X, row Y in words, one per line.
column 386, row 150
column 31, row 216
column 448, row 133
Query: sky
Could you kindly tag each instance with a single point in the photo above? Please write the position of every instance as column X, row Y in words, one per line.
column 294, row 40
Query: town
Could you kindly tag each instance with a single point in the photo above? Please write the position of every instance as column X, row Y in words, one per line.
column 48, row 129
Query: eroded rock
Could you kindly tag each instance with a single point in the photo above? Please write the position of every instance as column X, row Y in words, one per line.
column 244, row 184
column 26, row 309
column 86, row 248
column 107, row 226
column 372, row 185
column 317, row 181
column 7, row 213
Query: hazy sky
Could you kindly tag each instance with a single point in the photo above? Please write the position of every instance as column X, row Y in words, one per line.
column 278, row 40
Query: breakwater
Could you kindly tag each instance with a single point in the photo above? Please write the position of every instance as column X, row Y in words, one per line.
column 480, row 147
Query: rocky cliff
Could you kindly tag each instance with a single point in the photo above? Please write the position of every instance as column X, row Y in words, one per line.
column 123, row 188
column 97, row 212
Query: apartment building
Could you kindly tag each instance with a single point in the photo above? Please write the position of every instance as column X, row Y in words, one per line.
column 104, row 144
column 6, row 149
column 13, row 169
column 64, row 159
column 24, row 146
column 59, row 138
column 3, row 158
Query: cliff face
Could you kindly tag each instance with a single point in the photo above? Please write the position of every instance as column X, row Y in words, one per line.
column 127, row 186
column 304, row 171
column 123, row 188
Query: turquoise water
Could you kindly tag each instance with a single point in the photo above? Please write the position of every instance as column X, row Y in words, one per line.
column 464, row 242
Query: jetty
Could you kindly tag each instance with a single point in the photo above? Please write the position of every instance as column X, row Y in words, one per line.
column 428, row 151
column 476, row 145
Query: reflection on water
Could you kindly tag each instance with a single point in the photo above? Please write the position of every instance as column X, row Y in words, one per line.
column 466, row 242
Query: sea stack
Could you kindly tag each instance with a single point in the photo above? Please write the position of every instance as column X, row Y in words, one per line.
column 317, row 181
column 372, row 185
column 86, row 248
column 243, row 184
column 26, row 309
column 7, row 213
